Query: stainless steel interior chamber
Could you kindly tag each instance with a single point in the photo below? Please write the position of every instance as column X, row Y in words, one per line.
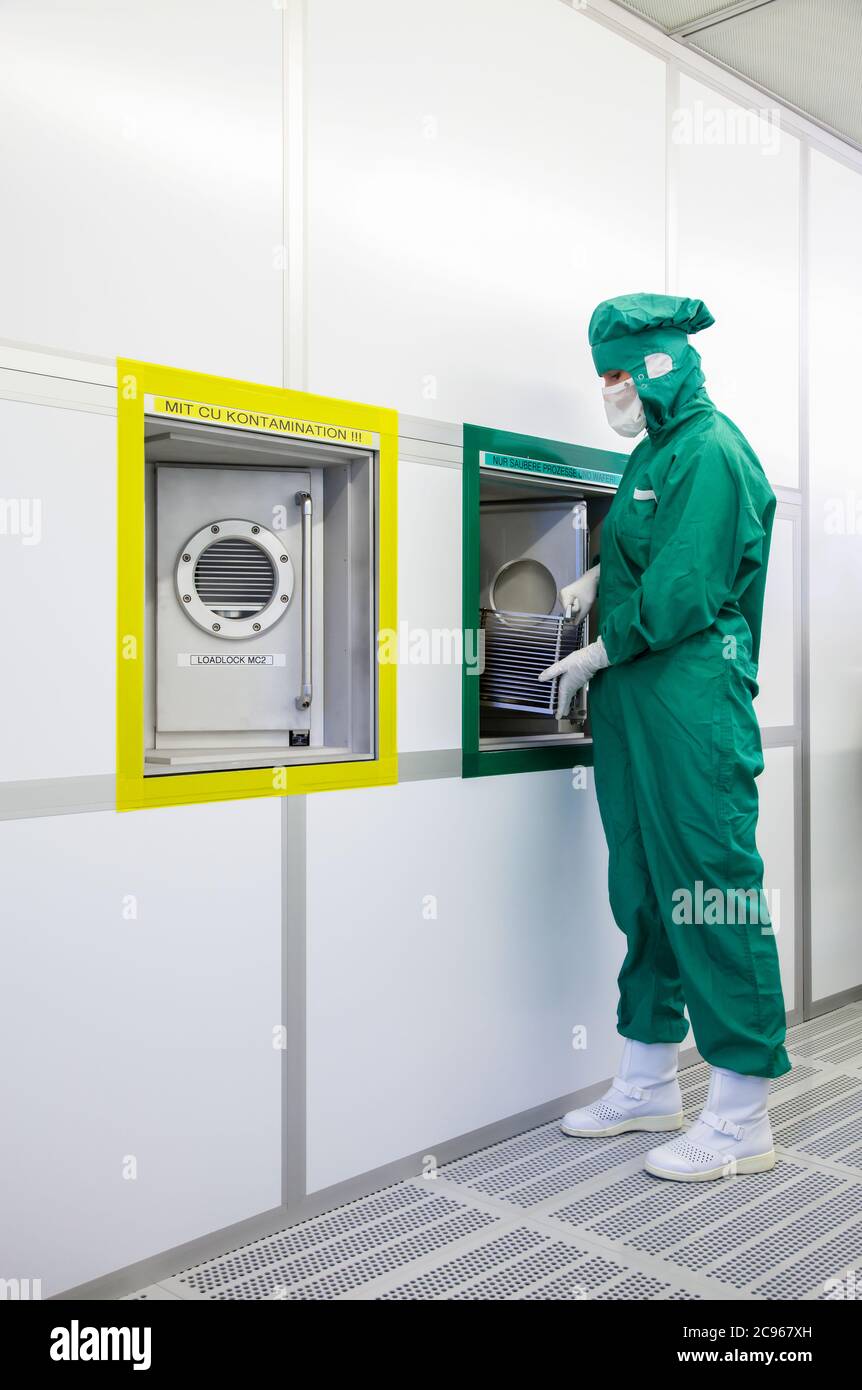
column 260, row 621
column 537, row 534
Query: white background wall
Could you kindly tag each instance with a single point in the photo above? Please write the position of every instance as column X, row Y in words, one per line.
column 58, row 638
column 145, row 171
column 470, row 200
column 478, row 178
column 429, row 598
column 479, row 947
column 142, row 156
column 835, row 563
column 737, row 241
column 145, row 1037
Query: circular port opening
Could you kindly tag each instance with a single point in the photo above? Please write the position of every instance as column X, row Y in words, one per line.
column 234, row 578
column 523, row 586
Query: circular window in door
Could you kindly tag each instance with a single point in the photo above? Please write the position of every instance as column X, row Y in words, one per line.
column 234, row 578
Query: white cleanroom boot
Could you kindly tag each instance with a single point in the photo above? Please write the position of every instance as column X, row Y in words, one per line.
column 731, row 1135
column 643, row 1095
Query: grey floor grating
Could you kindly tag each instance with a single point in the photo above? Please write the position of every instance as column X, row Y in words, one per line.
column 545, row 1217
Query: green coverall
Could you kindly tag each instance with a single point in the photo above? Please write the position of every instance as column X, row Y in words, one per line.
column 684, row 549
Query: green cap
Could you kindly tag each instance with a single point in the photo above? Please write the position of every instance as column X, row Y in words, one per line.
column 625, row 330
column 646, row 335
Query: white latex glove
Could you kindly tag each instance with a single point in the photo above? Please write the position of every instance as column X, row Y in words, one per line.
column 578, row 598
column 575, row 671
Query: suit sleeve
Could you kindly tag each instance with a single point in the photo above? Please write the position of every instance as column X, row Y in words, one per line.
column 715, row 546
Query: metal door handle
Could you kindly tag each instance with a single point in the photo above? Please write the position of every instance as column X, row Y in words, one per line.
column 303, row 700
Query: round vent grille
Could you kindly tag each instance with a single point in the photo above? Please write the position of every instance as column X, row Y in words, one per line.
column 234, row 578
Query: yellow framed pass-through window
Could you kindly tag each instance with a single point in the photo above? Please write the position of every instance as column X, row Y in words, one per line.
column 256, row 572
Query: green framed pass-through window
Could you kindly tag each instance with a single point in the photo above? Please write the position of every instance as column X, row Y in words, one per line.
column 532, row 517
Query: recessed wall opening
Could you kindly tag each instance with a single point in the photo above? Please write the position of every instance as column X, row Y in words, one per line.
column 535, row 535
column 260, row 622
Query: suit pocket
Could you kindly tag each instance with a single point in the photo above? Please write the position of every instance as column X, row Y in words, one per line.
column 635, row 526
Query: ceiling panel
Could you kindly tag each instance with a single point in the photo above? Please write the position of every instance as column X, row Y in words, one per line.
column 809, row 54
column 806, row 53
column 676, row 14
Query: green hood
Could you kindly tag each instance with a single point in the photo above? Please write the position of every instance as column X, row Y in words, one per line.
column 625, row 331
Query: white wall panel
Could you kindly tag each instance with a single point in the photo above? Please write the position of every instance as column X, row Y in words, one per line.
column 738, row 249
column 429, row 605
column 479, row 177
column 776, row 843
column 775, row 703
column 421, row 1029
column 149, row 1037
column 58, row 575
column 143, row 160
column 835, row 577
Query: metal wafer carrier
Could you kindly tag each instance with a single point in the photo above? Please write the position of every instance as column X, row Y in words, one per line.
column 518, row 646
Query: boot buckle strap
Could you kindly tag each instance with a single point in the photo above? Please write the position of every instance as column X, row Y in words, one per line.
column 723, row 1126
column 633, row 1092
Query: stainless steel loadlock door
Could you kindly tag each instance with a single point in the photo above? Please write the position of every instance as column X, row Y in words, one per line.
column 229, row 619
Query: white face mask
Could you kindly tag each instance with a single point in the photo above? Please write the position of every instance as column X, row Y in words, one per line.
column 624, row 408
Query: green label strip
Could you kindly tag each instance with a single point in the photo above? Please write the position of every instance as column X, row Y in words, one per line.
column 554, row 470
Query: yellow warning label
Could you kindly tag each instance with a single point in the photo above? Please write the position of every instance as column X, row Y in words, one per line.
column 260, row 420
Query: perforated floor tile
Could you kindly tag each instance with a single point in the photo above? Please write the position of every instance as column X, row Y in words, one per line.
column 469, row 1268
column 543, row 1216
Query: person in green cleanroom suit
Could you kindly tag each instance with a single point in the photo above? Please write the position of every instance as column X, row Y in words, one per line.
column 684, row 550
